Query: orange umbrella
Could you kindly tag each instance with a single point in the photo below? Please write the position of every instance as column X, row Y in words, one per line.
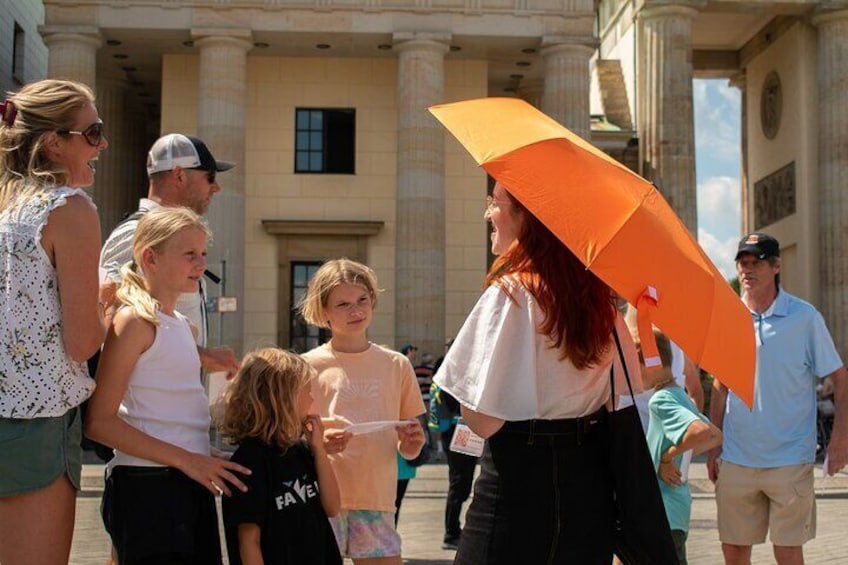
column 619, row 226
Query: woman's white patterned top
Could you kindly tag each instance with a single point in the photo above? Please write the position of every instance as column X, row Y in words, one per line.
column 37, row 377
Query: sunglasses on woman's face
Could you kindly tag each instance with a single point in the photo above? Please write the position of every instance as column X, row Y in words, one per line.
column 93, row 134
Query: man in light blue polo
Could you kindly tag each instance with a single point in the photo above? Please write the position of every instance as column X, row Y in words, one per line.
column 764, row 470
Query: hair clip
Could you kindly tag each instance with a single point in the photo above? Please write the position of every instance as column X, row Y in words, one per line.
column 8, row 112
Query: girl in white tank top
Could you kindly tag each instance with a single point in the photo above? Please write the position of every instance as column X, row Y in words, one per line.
column 150, row 405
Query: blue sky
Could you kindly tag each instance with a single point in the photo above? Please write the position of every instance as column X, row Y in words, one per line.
column 718, row 166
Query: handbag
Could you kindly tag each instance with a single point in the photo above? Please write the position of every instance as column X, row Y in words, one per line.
column 641, row 533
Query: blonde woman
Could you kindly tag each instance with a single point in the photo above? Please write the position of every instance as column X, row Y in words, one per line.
column 51, row 322
column 282, row 518
column 150, row 406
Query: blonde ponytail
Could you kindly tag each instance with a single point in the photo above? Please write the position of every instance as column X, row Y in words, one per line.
column 133, row 293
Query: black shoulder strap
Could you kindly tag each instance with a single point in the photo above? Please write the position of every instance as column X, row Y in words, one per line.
column 623, row 366
column 133, row 216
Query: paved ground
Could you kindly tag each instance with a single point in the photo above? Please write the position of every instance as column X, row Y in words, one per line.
column 422, row 514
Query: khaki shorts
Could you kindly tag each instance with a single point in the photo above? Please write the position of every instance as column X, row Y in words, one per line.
column 778, row 500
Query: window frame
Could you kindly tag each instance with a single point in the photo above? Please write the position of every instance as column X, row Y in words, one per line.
column 325, row 141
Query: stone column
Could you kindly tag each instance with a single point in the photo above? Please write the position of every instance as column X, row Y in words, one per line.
column 110, row 184
column 222, row 100
column 420, row 216
column 72, row 52
column 667, row 125
column 739, row 80
column 566, row 92
column 832, row 68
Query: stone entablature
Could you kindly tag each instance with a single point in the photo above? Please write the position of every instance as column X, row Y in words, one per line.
column 472, row 7
column 496, row 18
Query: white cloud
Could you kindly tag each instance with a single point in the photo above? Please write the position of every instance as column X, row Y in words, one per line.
column 720, row 251
column 717, row 143
column 699, row 91
column 717, row 127
column 719, row 206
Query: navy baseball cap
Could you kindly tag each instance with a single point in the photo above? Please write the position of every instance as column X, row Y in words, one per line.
column 760, row 245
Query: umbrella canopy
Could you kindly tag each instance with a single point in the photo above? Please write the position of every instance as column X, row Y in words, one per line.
column 618, row 225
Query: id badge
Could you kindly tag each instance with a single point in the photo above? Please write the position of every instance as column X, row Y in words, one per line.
column 466, row 442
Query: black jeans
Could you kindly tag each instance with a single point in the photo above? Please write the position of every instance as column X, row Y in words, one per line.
column 157, row 515
column 460, row 479
column 544, row 496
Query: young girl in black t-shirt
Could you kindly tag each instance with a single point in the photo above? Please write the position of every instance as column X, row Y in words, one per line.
column 282, row 518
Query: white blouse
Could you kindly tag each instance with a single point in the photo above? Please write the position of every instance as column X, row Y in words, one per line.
column 501, row 366
column 37, row 377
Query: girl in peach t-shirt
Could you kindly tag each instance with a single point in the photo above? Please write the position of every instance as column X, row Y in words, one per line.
column 358, row 382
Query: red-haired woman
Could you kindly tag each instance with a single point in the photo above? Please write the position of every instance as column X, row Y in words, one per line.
column 530, row 367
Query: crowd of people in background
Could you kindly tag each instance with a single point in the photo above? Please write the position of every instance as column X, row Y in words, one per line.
column 327, row 442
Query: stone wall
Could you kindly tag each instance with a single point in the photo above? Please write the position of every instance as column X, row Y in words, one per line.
column 792, row 56
column 278, row 85
column 28, row 16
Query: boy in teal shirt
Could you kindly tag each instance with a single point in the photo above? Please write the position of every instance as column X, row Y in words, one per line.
column 675, row 426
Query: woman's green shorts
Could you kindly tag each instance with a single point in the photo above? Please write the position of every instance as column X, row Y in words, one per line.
column 36, row 452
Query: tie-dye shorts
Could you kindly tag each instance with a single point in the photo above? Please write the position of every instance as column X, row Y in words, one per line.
column 366, row 533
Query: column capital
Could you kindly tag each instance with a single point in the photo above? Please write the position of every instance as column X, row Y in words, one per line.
column 664, row 8
column 438, row 42
column 829, row 12
column 89, row 35
column 237, row 37
column 580, row 44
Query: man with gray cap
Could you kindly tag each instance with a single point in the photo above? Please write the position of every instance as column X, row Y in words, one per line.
column 182, row 172
column 764, row 470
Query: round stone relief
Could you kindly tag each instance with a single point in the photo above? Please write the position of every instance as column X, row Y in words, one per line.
column 771, row 105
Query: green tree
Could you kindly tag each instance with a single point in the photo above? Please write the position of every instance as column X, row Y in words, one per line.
column 734, row 284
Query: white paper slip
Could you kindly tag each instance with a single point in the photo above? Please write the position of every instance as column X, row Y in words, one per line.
column 467, row 442
column 684, row 466
column 371, row 427
column 336, row 422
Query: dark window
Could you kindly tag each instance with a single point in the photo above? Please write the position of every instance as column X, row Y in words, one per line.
column 18, row 46
column 325, row 141
column 303, row 336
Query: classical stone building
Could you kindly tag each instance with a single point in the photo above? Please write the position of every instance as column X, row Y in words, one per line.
column 322, row 104
column 790, row 62
column 23, row 55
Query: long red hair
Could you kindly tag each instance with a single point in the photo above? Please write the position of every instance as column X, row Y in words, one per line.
column 579, row 308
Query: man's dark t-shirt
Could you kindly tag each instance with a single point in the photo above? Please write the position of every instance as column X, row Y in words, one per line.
column 283, row 500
